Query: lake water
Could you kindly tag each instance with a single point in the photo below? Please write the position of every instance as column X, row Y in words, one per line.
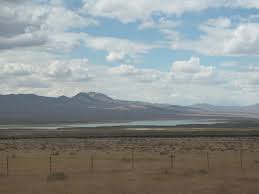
column 111, row 124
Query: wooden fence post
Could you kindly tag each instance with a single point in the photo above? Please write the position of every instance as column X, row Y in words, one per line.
column 92, row 161
column 172, row 160
column 241, row 153
column 7, row 165
column 208, row 160
column 132, row 159
column 50, row 164
column 241, row 158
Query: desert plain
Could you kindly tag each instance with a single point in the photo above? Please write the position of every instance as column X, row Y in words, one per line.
column 130, row 165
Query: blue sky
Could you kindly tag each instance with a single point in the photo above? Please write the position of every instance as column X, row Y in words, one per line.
column 165, row 51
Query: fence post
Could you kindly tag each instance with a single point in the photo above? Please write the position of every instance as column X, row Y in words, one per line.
column 50, row 164
column 208, row 160
column 92, row 161
column 172, row 160
column 241, row 158
column 132, row 159
column 7, row 165
column 241, row 153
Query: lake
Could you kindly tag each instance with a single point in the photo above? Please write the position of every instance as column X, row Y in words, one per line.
column 152, row 123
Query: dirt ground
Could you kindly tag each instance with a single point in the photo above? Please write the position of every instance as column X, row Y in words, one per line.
column 130, row 166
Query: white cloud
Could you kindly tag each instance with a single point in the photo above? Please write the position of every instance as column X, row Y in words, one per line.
column 113, row 56
column 44, row 74
column 30, row 24
column 161, row 24
column 69, row 70
column 124, row 70
column 32, row 83
column 14, row 69
column 136, row 74
column 186, row 82
column 117, row 48
column 23, row 40
column 36, row 40
column 221, row 38
column 48, row 28
column 129, row 11
column 191, row 66
column 191, row 71
column 220, row 22
column 61, row 19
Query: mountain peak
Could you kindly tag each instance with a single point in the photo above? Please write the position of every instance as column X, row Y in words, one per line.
column 81, row 94
column 83, row 97
column 100, row 96
column 93, row 96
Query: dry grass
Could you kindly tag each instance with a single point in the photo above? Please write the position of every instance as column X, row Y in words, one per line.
column 56, row 176
column 112, row 172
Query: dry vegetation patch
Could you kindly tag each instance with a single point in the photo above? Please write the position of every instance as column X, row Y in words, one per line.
column 57, row 176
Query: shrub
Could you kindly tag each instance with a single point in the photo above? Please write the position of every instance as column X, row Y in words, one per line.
column 57, row 176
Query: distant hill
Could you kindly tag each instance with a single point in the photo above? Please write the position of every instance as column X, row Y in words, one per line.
column 247, row 111
column 93, row 107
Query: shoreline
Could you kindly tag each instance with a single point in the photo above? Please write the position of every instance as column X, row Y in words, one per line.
column 245, row 128
column 88, row 134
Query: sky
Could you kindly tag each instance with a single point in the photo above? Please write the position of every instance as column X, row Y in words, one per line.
column 162, row 51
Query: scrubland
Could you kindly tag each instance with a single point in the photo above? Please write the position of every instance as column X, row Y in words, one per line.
column 130, row 166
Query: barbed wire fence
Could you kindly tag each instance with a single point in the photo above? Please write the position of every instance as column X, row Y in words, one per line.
column 94, row 161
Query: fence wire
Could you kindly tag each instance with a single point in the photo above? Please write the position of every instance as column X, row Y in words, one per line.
column 87, row 162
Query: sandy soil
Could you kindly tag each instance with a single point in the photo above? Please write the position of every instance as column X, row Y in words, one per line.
column 130, row 166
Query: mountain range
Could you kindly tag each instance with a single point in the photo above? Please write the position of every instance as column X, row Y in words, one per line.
column 97, row 107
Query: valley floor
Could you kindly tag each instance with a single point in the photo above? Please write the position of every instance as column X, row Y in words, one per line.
column 201, row 165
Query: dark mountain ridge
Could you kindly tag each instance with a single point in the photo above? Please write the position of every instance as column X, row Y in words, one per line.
column 96, row 107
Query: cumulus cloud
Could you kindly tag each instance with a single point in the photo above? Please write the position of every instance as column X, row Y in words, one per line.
column 69, row 70
column 58, row 70
column 187, row 81
column 49, row 27
column 134, row 10
column 124, row 48
column 42, row 75
column 124, row 70
column 136, row 74
column 192, row 71
column 39, row 41
column 190, row 67
column 114, row 56
column 220, row 37
column 23, row 40
column 14, row 69
column 220, row 22
column 32, row 83
column 31, row 24
column 161, row 23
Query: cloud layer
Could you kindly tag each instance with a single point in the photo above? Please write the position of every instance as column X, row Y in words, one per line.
column 53, row 48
